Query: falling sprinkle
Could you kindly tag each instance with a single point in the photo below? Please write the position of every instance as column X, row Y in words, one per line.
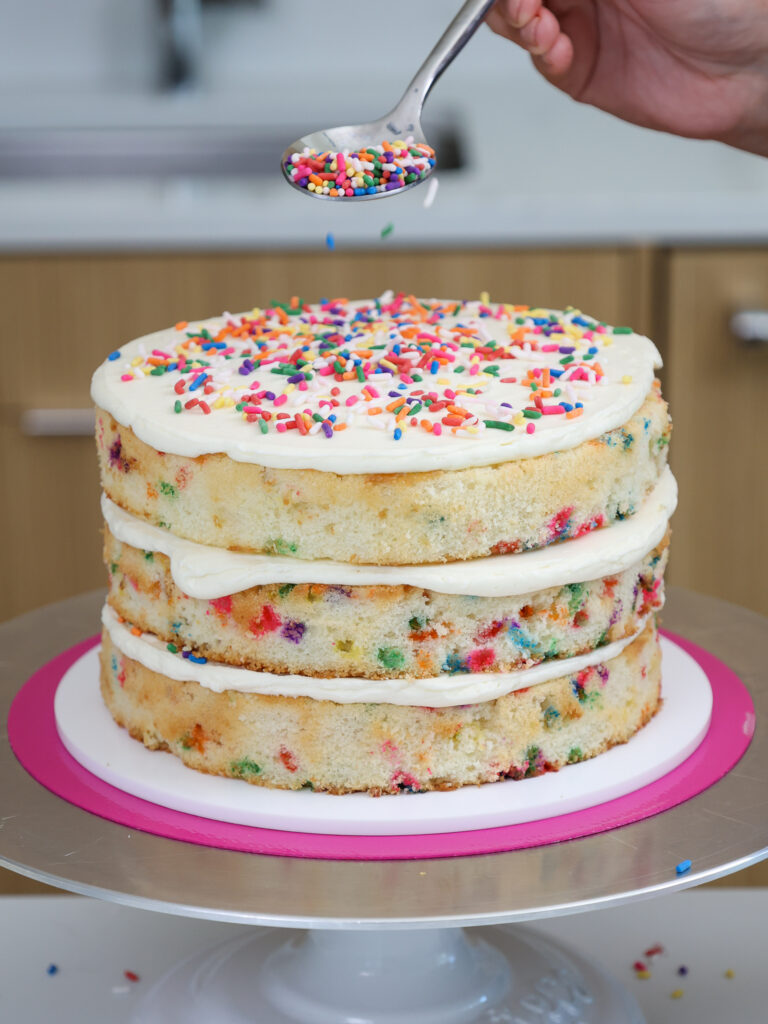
column 131, row 976
column 643, row 975
column 52, row 969
column 432, row 187
column 677, row 994
column 730, row 973
column 330, row 241
column 387, row 230
column 682, row 970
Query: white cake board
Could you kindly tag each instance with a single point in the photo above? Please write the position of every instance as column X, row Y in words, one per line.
column 103, row 748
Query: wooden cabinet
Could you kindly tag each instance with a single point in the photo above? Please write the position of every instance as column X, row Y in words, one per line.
column 717, row 387
column 62, row 314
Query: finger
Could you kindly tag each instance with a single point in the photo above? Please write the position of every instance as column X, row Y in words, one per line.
column 540, row 34
column 496, row 23
column 550, row 49
column 557, row 60
column 518, row 13
column 508, row 16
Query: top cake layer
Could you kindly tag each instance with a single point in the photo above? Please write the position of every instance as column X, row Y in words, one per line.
column 397, row 385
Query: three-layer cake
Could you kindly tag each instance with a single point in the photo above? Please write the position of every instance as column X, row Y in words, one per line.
column 399, row 544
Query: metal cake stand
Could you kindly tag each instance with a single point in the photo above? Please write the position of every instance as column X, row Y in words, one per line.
column 386, row 940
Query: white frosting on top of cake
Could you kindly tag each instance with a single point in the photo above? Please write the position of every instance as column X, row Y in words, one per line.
column 349, row 388
column 435, row 691
column 207, row 572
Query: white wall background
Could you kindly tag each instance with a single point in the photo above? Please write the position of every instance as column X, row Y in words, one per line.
column 114, row 46
column 75, row 45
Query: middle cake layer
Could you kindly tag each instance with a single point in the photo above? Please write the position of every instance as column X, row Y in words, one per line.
column 326, row 619
column 382, row 631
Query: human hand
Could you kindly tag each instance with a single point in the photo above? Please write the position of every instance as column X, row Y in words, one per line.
column 697, row 68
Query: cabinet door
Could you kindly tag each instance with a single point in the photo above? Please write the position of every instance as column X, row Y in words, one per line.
column 717, row 387
column 51, row 520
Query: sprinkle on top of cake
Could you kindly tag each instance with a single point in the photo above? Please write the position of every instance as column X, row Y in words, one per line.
column 423, row 372
column 397, row 365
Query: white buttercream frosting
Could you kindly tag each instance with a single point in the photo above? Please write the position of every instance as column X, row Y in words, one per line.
column 356, row 442
column 206, row 572
column 435, row 691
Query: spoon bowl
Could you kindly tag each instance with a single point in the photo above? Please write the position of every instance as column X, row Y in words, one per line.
column 350, row 138
column 402, row 123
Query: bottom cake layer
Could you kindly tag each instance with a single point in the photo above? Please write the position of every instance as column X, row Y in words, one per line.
column 298, row 742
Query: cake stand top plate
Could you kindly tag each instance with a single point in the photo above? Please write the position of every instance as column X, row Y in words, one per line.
column 723, row 829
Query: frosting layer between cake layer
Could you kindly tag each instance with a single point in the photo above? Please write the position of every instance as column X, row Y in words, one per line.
column 435, row 691
column 208, row 572
column 381, row 631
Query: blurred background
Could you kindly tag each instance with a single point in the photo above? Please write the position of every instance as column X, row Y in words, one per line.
column 139, row 185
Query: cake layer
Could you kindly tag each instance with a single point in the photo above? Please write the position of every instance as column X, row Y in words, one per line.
column 382, row 631
column 391, row 519
column 297, row 742
column 397, row 385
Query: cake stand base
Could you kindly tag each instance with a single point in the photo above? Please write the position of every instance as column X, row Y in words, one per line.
column 502, row 975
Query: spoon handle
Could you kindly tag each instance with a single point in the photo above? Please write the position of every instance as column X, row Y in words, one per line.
column 448, row 46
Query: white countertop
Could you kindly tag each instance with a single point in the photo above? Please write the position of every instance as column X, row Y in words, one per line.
column 92, row 944
column 564, row 174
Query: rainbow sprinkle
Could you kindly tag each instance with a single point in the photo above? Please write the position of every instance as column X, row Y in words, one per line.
column 365, row 172
column 398, row 364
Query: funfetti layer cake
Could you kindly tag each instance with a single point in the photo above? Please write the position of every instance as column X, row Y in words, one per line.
column 324, row 521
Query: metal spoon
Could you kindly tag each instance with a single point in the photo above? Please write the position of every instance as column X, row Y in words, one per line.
column 405, row 120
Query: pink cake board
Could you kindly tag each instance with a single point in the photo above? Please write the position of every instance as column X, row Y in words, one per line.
column 35, row 741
